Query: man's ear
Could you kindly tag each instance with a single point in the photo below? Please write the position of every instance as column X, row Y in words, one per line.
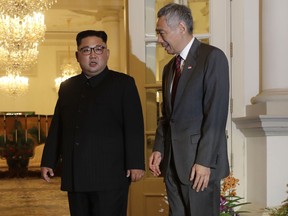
column 182, row 27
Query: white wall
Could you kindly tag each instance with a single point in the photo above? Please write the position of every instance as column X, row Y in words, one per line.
column 245, row 76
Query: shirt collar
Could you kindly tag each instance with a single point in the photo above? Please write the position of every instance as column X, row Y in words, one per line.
column 185, row 51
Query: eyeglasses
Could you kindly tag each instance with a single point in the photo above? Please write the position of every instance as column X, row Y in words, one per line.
column 88, row 50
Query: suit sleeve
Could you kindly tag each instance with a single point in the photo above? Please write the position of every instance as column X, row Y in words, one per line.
column 215, row 109
column 51, row 152
column 162, row 124
column 133, row 127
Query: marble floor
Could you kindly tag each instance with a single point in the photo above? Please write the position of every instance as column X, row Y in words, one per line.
column 32, row 196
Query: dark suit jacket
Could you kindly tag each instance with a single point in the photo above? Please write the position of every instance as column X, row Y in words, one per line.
column 97, row 130
column 195, row 128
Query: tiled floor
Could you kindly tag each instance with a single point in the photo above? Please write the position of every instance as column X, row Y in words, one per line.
column 33, row 197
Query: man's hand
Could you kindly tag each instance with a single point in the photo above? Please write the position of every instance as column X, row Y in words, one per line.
column 135, row 174
column 200, row 174
column 46, row 172
column 154, row 163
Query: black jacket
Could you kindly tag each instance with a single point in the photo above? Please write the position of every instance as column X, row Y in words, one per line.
column 97, row 130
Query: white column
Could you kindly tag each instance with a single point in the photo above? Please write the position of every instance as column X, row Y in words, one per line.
column 275, row 45
column 265, row 125
column 274, row 52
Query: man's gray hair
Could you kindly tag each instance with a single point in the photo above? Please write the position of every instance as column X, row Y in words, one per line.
column 175, row 13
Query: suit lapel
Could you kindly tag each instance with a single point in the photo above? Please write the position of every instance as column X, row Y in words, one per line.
column 187, row 71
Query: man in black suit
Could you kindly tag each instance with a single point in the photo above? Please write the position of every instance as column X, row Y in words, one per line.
column 97, row 131
column 190, row 143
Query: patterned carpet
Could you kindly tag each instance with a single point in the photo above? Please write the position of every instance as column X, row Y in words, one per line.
column 32, row 196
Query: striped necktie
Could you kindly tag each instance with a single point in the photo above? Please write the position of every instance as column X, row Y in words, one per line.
column 177, row 74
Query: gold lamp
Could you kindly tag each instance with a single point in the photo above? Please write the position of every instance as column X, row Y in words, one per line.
column 69, row 68
column 22, row 29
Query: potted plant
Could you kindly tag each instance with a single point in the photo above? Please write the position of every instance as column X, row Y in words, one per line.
column 279, row 211
column 229, row 200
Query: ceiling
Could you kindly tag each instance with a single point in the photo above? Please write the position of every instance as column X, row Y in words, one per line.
column 84, row 14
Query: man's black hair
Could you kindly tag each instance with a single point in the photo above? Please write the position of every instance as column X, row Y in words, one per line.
column 89, row 33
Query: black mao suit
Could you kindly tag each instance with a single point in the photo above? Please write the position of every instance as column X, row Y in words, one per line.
column 195, row 128
column 97, row 131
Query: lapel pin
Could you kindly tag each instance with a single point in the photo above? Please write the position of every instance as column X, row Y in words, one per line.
column 189, row 67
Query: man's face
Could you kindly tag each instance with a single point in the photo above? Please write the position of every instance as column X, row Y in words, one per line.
column 167, row 36
column 92, row 63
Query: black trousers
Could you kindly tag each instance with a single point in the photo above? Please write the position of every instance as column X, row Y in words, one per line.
column 99, row 203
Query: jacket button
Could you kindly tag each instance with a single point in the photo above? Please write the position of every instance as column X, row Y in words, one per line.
column 77, row 143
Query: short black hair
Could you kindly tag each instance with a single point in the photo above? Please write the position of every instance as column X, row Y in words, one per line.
column 89, row 33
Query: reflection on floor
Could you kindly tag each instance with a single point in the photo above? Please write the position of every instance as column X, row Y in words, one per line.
column 32, row 196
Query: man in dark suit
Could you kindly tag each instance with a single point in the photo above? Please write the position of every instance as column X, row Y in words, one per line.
column 190, row 143
column 97, row 131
